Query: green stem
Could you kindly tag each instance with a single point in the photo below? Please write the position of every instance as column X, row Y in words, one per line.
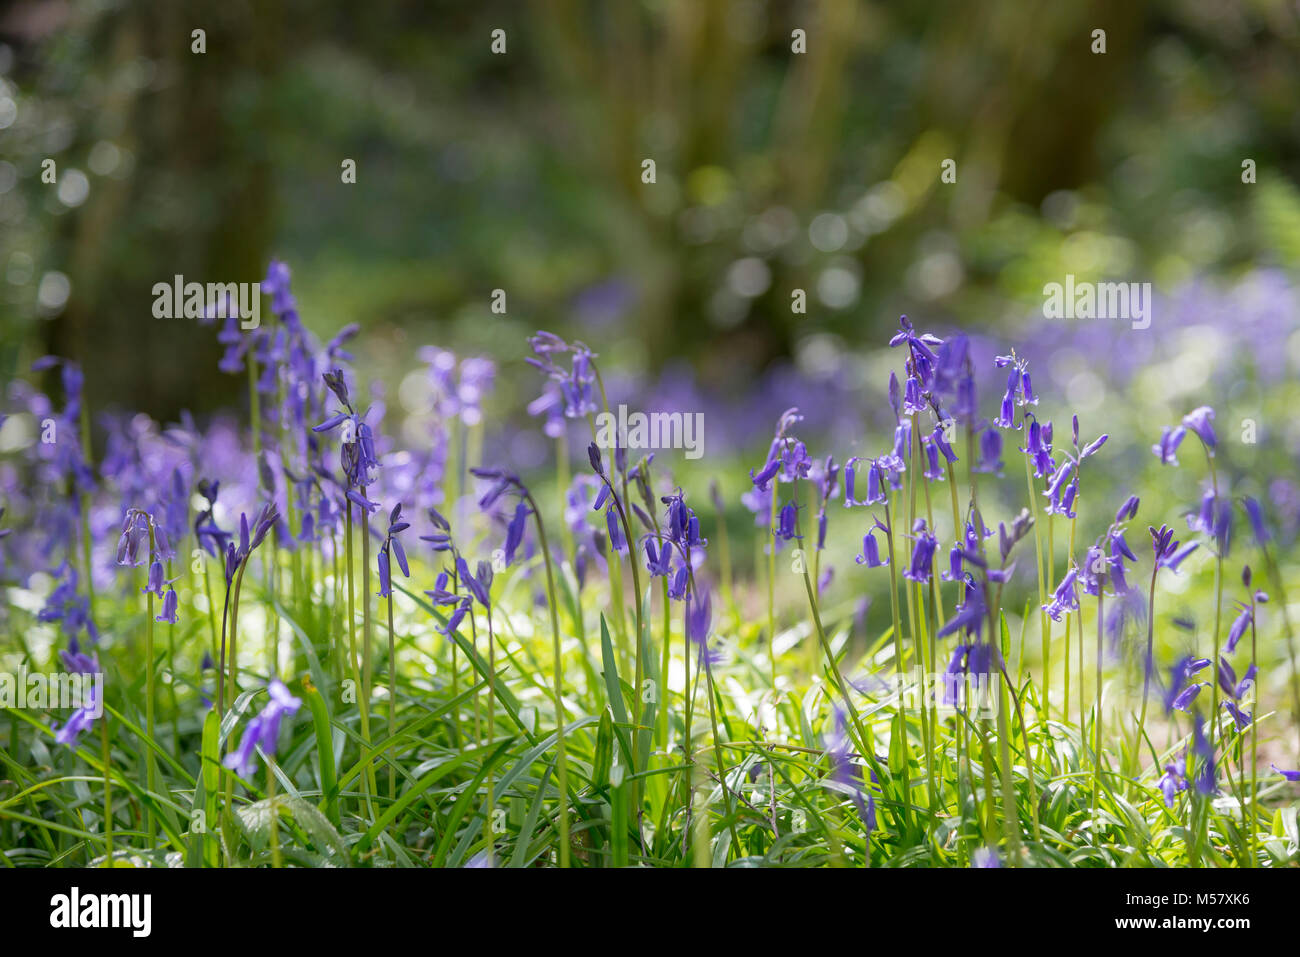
column 559, row 680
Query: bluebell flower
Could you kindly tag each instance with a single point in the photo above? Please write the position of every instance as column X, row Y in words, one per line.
column 658, row 561
column 990, row 457
column 1256, row 515
column 699, row 622
column 985, row 857
column 1165, row 548
column 922, row 358
column 392, row 546
column 679, row 587
column 788, row 522
column 515, row 531
column 1239, row 716
column 1173, row 781
column 1065, row 598
column 1201, row 421
column 615, row 530
column 264, row 730
column 970, row 613
column 1239, row 626
column 168, row 614
column 922, row 553
column 1180, row 695
column 870, row 555
column 81, row 720
column 1165, row 450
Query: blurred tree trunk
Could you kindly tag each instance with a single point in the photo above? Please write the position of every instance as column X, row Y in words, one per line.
column 199, row 201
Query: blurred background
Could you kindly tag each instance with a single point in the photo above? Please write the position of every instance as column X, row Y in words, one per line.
column 522, row 171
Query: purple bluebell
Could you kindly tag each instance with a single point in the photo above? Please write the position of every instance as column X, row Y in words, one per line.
column 1256, row 515
column 515, row 531
column 787, row 524
column 1173, row 781
column 699, row 622
column 264, row 730
column 921, row 354
column 1244, row 617
column 1166, row 449
column 1201, row 421
column 1066, row 597
column 990, row 452
column 168, row 613
column 1165, row 548
column 392, row 547
column 870, row 555
column 970, row 613
column 922, row 553
column 615, row 530
column 1240, row 717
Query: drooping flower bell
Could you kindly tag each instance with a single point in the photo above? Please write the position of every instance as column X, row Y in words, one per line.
column 264, row 730
column 392, row 546
column 1201, row 421
column 922, row 553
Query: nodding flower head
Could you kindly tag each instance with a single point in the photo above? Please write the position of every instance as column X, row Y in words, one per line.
column 250, row 537
column 168, row 613
column 922, row 553
column 787, row 524
column 878, row 475
column 574, row 387
column 479, row 585
column 1095, row 571
column 499, row 482
column 990, row 452
column 699, row 622
column 1166, row 449
column 1256, row 515
column 1066, row 597
column 871, row 552
column 135, row 534
column 515, row 531
column 1201, row 421
column 1181, row 691
column 970, row 614
column 787, row 457
column 658, row 558
column 264, row 730
column 683, row 524
column 1173, row 781
column 1128, row 510
column 921, row 355
column 1245, row 616
column 392, row 546
column 1165, row 548
column 335, row 382
column 1019, row 392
